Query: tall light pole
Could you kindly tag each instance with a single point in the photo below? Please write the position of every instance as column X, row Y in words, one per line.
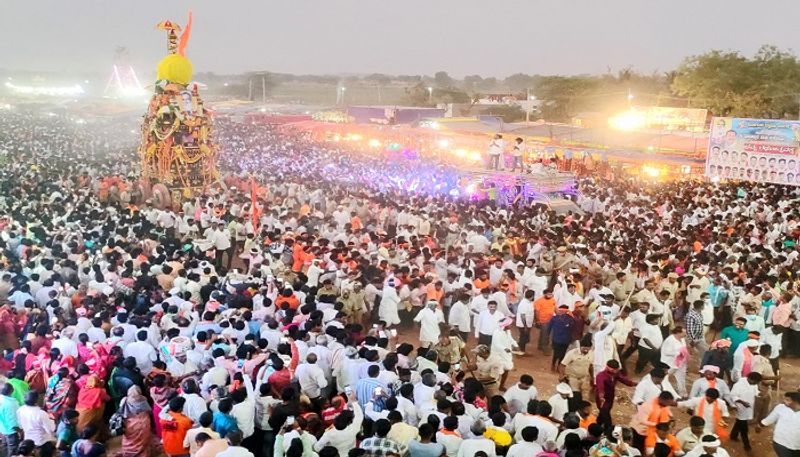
column 341, row 94
column 529, row 107
column 630, row 98
column 430, row 94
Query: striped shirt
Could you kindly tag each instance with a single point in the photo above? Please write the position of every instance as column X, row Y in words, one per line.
column 365, row 389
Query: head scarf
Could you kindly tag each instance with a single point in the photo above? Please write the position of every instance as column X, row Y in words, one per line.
column 135, row 403
column 721, row 344
column 92, row 395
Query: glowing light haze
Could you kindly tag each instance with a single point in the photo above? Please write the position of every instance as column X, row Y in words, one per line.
column 491, row 38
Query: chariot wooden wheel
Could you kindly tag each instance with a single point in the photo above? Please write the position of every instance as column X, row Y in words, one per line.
column 160, row 196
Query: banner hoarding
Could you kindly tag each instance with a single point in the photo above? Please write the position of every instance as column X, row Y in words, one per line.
column 758, row 150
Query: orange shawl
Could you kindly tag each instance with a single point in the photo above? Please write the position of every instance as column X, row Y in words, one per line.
column 722, row 432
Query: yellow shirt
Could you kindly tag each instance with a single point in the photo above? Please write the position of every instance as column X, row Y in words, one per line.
column 500, row 436
column 403, row 433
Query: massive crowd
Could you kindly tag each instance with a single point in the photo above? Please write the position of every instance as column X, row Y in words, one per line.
column 204, row 331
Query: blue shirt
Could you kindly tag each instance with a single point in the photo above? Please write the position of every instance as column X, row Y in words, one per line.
column 561, row 328
column 223, row 424
column 67, row 433
column 417, row 449
column 718, row 295
column 8, row 415
column 365, row 389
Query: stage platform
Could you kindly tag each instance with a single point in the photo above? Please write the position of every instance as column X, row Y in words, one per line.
column 541, row 183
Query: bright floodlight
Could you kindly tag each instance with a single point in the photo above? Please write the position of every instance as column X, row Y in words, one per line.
column 627, row 121
column 373, row 143
column 444, row 143
column 653, row 172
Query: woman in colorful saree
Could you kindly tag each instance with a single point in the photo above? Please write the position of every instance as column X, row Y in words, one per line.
column 138, row 432
column 60, row 393
column 8, row 328
column 91, row 403
column 160, row 392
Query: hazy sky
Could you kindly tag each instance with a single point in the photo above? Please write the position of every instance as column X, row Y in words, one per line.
column 487, row 37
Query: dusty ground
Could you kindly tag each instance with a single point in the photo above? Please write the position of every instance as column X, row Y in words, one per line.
column 538, row 366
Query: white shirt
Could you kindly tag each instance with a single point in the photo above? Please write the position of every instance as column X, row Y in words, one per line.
column 245, row 412
column 518, row 398
column 408, row 410
column 36, row 424
column 311, row 379
column 670, row 350
column 235, row 451
column 653, row 334
column 536, row 283
column 647, row 390
column 637, row 321
column 525, row 313
column 471, row 446
column 459, row 316
column 369, row 411
column 743, row 390
column 96, row 335
column 708, row 411
column 622, row 328
column 144, row 354
column 451, row 443
column 548, row 431
column 190, row 441
column 222, row 240
column 775, row 341
column 66, row 346
column 562, row 436
column 560, row 406
column 429, row 324
column 423, row 396
column 786, row 421
column 263, row 404
column 195, row 406
column 698, row 451
column 524, row 449
column 486, row 323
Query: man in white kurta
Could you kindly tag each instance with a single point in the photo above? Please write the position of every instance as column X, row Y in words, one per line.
column 502, row 346
column 604, row 345
column 388, row 308
column 429, row 319
column 675, row 354
column 460, row 318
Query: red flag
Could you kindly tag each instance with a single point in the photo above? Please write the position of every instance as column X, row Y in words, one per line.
column 253, row 203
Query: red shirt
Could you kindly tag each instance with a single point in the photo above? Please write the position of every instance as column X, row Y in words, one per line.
column 606, row 388
column 279, row 380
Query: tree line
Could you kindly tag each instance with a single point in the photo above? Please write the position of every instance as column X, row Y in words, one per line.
column 727, row 83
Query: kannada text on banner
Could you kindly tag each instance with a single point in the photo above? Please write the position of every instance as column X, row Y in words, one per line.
column 760, row 150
